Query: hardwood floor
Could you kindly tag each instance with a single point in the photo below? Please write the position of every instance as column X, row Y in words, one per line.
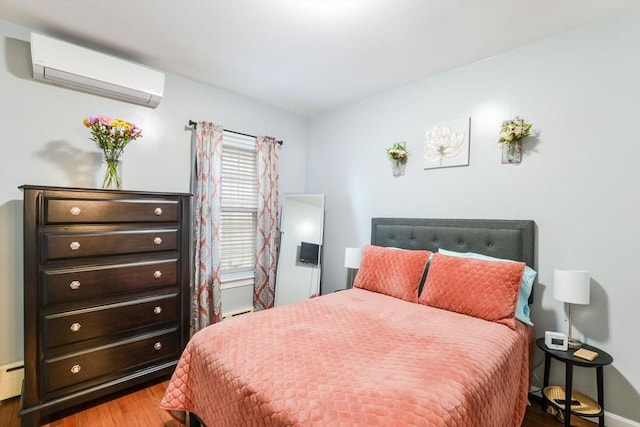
column 140, row 409
column 135, row 409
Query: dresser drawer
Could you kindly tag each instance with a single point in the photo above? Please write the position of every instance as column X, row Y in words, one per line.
column 72, row 211
column 78, row 245
column 79, row 325
column 109, row 361
column 82, row 284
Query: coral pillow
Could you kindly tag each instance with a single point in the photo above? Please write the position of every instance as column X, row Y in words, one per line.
column 523, row 311
column 479, row 288
column 393, row 272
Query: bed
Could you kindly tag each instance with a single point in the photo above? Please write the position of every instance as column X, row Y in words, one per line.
column 405, row 346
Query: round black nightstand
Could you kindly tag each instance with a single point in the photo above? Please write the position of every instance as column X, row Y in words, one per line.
column 570, row 360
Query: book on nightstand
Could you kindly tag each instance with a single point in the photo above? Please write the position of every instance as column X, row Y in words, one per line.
column 583, row 353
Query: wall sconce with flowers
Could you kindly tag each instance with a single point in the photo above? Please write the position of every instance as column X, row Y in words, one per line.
column 511, row 135
column 398, row 155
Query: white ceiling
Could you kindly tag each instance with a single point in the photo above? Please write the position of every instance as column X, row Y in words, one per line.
column 307, row 56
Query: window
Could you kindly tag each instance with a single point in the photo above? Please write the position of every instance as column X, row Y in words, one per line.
column 239, row 203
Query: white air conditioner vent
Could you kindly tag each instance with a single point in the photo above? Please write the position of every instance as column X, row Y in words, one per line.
column 68, row 65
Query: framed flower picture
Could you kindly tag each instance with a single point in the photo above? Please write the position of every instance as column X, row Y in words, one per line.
column 446, row 144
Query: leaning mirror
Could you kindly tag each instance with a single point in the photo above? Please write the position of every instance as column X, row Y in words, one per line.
column 300, row 259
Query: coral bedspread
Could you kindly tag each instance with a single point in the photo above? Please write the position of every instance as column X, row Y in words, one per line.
column 354, row 358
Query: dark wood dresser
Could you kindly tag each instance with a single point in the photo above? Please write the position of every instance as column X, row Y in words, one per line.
column 106, row 293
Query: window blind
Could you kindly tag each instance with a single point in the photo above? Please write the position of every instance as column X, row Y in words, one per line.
column 239, row 203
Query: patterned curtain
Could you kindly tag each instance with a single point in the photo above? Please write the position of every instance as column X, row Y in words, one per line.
column 267, row 236
column 207, row 303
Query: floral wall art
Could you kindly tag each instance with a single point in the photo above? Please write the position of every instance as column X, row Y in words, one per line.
column 447, row 144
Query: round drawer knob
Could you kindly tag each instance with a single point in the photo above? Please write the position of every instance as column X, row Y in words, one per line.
column 74, row 285
column 157, row 310
column 75, row 327
column 157, row 212
column 157, row 240
column 157, row 274
column 75, row 210
column 75, row 369
column 157, row 346
column 74, row 246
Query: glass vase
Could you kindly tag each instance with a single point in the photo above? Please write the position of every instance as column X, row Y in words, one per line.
column 397, row 167
column 112, row 176
column 512, row 153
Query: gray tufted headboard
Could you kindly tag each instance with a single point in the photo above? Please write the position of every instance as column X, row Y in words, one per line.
column 511, row 239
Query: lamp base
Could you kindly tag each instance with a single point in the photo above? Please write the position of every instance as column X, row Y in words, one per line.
column 574, row 344
column 350, row 278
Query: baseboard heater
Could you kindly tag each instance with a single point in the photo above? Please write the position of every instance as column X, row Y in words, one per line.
column 11, row 376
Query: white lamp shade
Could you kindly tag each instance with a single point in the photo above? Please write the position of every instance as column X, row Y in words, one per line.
column 571, row 286
column 352, row 257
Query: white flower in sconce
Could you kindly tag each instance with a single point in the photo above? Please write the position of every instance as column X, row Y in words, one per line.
column 512, row 132
column 398, row 155
column 398, row 152
column 442, row 142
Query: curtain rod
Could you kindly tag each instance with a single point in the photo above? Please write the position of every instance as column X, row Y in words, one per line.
column 195, row 124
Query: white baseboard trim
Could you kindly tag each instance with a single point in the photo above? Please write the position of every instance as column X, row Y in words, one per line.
column 613, row 420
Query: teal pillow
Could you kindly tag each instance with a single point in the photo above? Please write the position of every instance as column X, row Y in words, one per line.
column 526, row 284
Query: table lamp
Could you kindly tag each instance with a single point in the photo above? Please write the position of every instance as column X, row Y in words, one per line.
column 352, row 257
column 571, row 287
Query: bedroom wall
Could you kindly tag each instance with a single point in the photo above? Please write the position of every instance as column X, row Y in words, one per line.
column 578, row 180
column 43, row 141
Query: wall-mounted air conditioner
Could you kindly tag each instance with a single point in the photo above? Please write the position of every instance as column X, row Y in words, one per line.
column 65, row 64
